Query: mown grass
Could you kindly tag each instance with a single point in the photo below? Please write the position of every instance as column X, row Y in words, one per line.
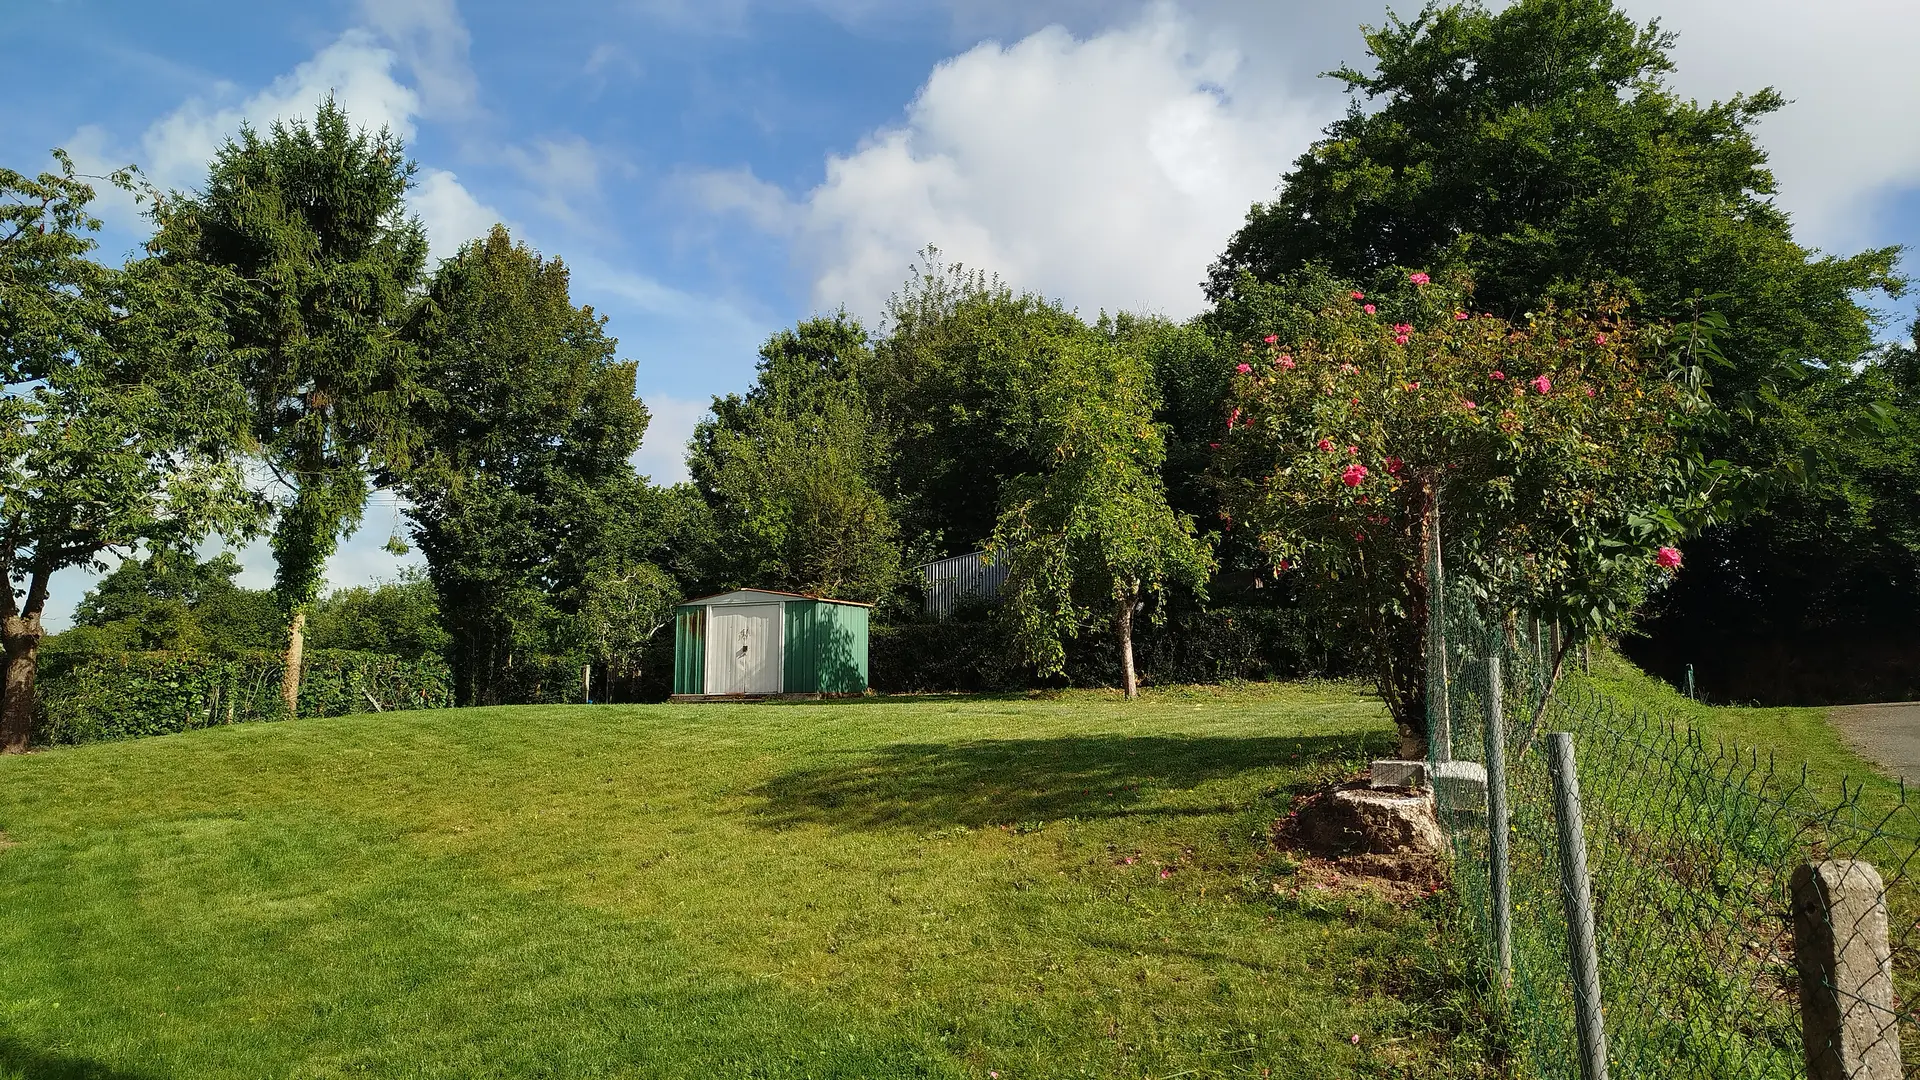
column 1067, row 886
column 1794, row 737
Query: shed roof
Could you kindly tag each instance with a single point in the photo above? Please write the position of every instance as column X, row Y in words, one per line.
column 769, row 593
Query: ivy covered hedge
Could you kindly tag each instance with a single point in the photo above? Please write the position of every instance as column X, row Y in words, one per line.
column 127, row 695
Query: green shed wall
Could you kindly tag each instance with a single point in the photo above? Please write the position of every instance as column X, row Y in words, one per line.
column 826, row 648
column 690, row 650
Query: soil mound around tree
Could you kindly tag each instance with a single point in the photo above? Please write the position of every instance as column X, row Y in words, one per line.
column 1356, row 838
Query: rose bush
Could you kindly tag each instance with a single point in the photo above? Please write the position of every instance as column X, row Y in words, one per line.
column 1560, row 448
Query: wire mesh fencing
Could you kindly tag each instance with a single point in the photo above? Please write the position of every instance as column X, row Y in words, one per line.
column 1698, row 853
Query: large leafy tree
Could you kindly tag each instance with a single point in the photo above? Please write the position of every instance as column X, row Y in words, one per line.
column 522, row 487
column 953, row 383
column 1561, row 448
column 1090, row 534
column 309, row 223
column 791, row 472
column 117, row 420
column 1539, row 149
column 173, row 601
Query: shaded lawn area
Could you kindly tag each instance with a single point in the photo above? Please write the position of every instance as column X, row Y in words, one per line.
column 1043, row 887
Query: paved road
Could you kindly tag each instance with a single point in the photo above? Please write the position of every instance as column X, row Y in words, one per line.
column 1888, row 734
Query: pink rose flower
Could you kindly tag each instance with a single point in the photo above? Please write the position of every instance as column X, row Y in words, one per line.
column 1468, row 404
column 1353, row 451
column 1368, row 308
column 1394, row 465
column 1668, row 558
column 1326, row 445
column 1599, row 339
column 1459, row 316
column 1354, row 475
column 1358, row 295
column 1272, row 339
column 1286, row 362
column 1497, row 376
column 1244, row 369
column 1589, row 391
column 1399, row 339
column 1418, row 277
column 1542, row 385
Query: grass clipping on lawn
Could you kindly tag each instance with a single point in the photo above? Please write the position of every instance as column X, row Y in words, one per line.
column 942, row 887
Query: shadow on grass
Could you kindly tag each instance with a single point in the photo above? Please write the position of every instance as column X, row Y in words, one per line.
column 1000, row 781
column 17, row 1059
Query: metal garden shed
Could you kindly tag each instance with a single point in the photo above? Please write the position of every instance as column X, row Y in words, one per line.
column 761, row 643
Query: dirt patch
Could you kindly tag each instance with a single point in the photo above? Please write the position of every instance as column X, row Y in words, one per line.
column 7, row 841
column 1401, row 880
column 1325, row 862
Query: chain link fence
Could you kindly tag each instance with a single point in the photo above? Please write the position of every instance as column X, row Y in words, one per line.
column 1697, row 853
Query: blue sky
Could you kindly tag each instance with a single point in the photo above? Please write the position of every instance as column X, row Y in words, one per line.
column 715, row 169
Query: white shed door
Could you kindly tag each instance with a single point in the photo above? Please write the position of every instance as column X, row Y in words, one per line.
column 743, row 649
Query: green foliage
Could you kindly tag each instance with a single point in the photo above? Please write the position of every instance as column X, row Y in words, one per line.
column 129, row 695
column 790, row 472
column 953, row 382
column 522, row 493
column 1538, row 149
column 1557, row 452
column 1812, row 602
column 309, row 226
column 117, row 421
column 395, row 618
column 1220, row 644
column 1091, row 531
column 171, row 601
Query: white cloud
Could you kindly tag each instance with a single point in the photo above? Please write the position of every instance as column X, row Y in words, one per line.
column 1847, row 140
column 356, row 69
column 565, row 170
column 663, row 453
column 434, row 42
column 738, row 191
column 1106, row 171
column 450, row 212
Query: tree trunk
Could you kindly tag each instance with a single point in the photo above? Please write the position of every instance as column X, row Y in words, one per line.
column 1123, row 622
column 20, row 632
column 296, row 650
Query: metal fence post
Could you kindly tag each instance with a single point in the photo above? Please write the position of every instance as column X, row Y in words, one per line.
column 1497, row 875
column 1577, row 891
column 1847, row 1020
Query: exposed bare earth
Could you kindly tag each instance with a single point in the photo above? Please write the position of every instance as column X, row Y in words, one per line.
column 1888, row 735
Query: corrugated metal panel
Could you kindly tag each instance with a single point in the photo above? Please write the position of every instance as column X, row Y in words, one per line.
column 690, row 650
column 951, row 582
column 840, row 648
column 743, row 649
column 802, row 669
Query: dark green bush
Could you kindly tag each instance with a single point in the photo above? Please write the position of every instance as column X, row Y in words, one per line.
column 1221, row 645
column 127, row 695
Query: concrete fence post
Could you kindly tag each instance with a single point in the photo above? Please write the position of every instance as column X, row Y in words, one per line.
column 1576, row 889
column 1847, row 1020
column 1498, row 878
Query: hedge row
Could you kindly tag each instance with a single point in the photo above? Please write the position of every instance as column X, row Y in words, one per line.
column 127, row 695
column 1220, row 645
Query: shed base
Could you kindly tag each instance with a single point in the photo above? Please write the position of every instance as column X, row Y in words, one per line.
column 687, row 699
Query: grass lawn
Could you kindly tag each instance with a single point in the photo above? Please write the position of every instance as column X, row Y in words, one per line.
column 1067, row 886
column 1794, row 736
